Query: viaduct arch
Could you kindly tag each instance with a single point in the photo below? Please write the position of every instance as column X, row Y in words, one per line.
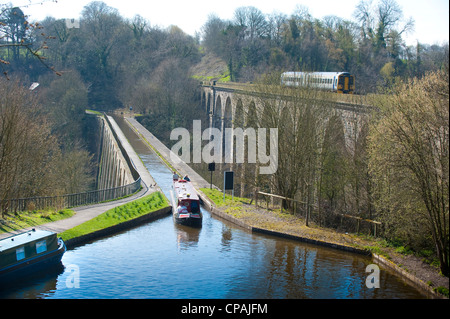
column 230, row 106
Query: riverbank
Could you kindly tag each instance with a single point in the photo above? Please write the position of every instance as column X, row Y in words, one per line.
column 272, row 222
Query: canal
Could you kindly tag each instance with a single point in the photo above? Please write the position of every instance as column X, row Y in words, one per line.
column 219, row 260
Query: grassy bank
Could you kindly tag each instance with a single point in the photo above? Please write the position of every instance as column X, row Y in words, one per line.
column 14, row 222
column 117, row 215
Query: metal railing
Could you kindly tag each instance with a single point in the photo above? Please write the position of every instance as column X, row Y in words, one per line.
column 70, row 200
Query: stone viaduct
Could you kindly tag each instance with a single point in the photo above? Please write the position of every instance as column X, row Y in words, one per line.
column 229, row 103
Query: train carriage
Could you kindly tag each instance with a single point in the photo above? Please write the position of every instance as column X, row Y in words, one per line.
column 340, row 82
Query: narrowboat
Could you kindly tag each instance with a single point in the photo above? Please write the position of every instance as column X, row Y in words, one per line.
column 186, row 206
column 29, row 252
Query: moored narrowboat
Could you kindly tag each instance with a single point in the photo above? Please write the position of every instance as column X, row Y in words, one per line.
column 186, row 206
column 29, row 252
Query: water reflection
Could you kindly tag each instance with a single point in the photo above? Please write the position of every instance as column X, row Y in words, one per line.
column 187, row 237
column 33, row 286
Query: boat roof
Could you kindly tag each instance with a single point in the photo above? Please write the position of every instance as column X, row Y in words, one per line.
column 185, row 190
column 24, row 238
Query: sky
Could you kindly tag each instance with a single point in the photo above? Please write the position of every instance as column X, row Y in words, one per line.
column 431, row 16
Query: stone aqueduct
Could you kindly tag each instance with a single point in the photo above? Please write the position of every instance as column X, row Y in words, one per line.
column 226, row 103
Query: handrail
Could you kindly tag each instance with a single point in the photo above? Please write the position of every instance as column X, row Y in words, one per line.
column 70, row 200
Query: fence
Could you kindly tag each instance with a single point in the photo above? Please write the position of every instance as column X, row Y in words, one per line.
column 296, row 202
column 70, row 200
column 279, row 197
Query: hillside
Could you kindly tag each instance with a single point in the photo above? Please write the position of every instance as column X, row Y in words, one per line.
column 210, row 68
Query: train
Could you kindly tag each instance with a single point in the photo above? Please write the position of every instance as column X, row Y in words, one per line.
column 340, row 82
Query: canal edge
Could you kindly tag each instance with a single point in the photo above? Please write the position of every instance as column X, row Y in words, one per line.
column 152, row 216
column 410, row 278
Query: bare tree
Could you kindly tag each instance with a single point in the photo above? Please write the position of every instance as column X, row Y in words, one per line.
column 410, row 164
column 300, row 120
column 18, row 33
column 253, row 20
column 26, row 146
column 377, row 22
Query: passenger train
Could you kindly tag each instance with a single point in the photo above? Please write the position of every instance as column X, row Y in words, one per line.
column 340, row 82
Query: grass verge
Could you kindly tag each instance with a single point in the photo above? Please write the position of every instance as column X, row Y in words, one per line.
column 117, row 215
column 217, row 197
column 23, row 220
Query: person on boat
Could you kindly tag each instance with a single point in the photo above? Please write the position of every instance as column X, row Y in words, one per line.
column 182, row 210
column 186, row 178
column 175, row 176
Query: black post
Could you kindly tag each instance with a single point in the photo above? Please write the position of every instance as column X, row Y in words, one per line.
column 211, row 168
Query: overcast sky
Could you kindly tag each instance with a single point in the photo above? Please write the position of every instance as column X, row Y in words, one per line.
column 431, row 16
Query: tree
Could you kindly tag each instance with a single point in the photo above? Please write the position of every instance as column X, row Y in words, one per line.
column 15, row 31
column 27, row 147
column 377, row 22
column 332, row 177
column 65, row 100
column 253, row 21
column 212, row 30
column 170, row 98
column 18, row 35
column 409, row 161
column 103, row 32
column 300, row 137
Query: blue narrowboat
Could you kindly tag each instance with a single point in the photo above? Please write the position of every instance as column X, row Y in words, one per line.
column 28, row 252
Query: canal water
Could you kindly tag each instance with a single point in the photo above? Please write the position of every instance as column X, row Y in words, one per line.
column 219, row 260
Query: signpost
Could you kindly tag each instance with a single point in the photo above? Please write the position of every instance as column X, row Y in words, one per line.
column 211, row 168
column 228, row 178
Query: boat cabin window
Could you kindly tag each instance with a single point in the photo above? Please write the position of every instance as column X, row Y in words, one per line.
column 185, row 203
column 20, row 253
column 194, row 207
column 41, row 246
